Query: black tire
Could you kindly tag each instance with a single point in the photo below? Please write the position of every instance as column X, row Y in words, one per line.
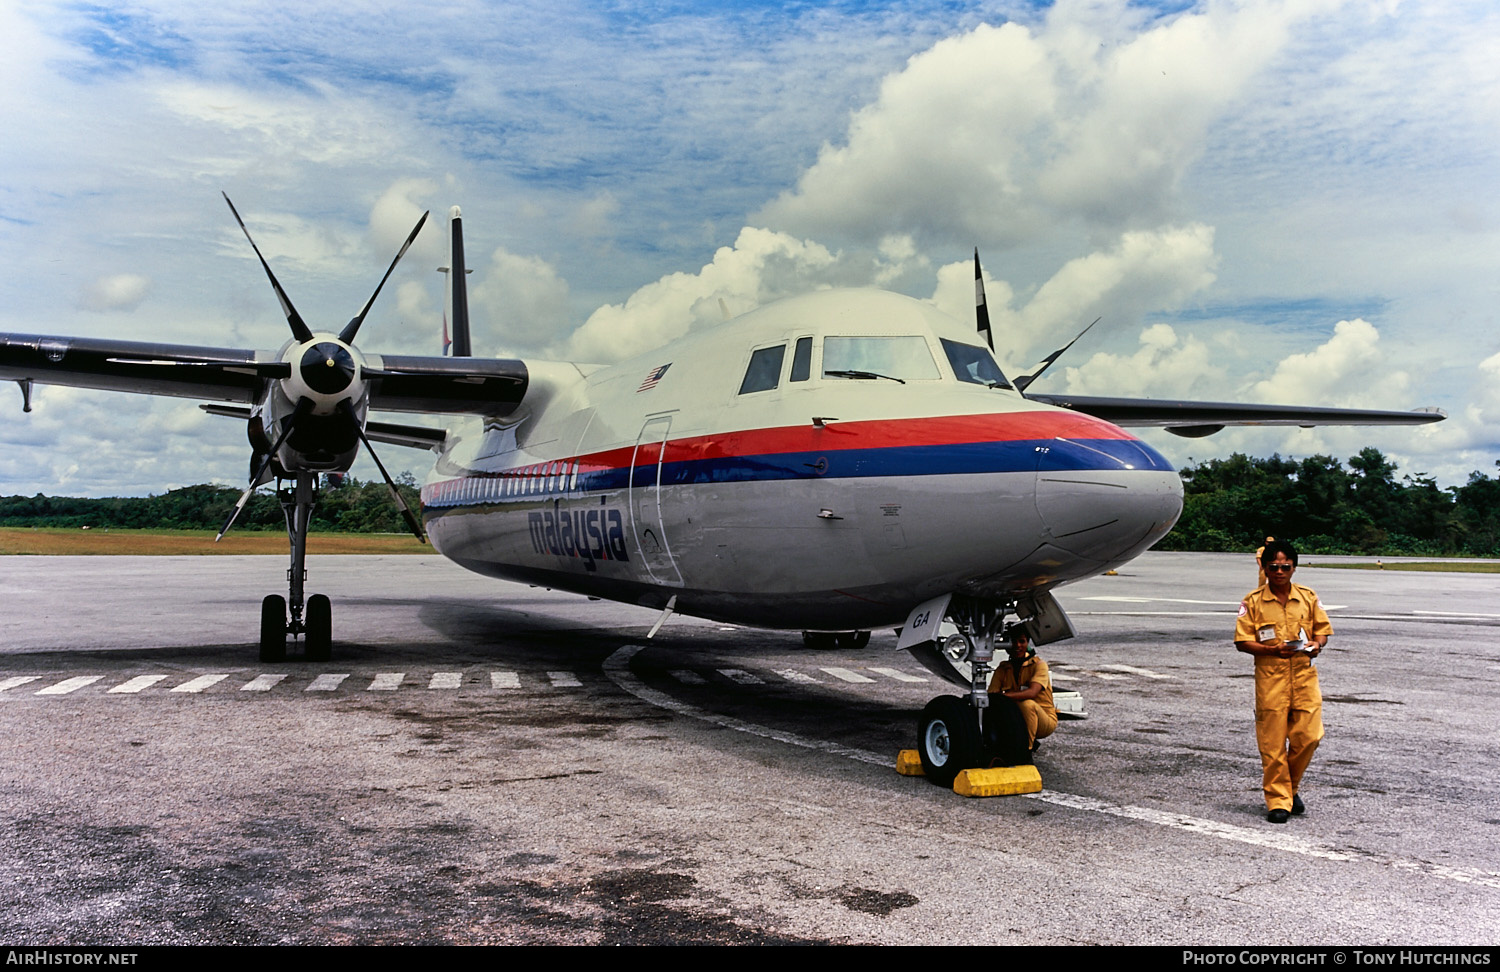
column 947, row 739
column 851, row 640
column 318, row 638
column 819, row 640
column 273, row 629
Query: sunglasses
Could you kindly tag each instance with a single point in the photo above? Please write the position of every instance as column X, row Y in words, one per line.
column 1279, row 568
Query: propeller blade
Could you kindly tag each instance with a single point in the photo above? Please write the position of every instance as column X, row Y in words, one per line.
column 411, row 521
column 981, row 309
column 300, row 330
column 303, row 407
column 1023, row 382
column 352, row 328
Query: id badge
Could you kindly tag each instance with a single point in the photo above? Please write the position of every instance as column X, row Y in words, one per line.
column 1266, row 633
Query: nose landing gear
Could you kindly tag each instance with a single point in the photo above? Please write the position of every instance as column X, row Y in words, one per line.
column 315, row 623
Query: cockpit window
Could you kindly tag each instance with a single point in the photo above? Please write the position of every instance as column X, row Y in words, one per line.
column 903, row 358
column 802, row 359
column 974, row 364
column 764, row 372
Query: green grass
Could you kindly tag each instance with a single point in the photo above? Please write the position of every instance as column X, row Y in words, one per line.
column 44, row 541
column 1441, row 566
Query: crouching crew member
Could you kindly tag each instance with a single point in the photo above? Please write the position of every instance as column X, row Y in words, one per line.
column 1284, row 627
column 1025, row 682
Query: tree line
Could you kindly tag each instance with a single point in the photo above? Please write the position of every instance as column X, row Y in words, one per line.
column 1325, row 506
column 349, row 506
column 1319, row 503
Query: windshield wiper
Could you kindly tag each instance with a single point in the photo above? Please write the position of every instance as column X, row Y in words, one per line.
column 862, row 374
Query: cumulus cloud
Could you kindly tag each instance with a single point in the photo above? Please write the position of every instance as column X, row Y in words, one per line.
column 1163, row 366
column 1349, row 369
column 519, row 304
column 998, row 134
column 117, row 292
column 1141, row 272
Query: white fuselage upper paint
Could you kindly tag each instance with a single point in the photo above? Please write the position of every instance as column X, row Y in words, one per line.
column 758, row 489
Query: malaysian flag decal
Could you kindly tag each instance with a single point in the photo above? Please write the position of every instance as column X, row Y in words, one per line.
column 653, row 377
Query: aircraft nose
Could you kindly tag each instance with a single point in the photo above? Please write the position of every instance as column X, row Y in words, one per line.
column 1106, row 501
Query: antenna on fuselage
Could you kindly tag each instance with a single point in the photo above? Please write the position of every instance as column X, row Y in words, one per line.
column 456, row 292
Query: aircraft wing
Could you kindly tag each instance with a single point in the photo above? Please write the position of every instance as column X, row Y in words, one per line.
column 402, row 383
column 1195, row 419
column 415, row 436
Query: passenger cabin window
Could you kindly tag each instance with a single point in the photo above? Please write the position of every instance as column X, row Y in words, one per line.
column 974, row 364
column 764, row 372
column 901, row 358
column 802, row 359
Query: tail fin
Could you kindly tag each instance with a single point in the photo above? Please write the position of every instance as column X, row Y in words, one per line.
column 455, row 292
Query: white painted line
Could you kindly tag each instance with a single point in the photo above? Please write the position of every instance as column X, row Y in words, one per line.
column 200, row 683
column 617, row 668
column 792, row 675
column 14, row 680
column 263, row 682
column 742, row 676
column 1155, row 600
column 326, row 683
column 564, row 680
column 1458, row 614
column 1060, row 677
column 898, row 675
column 1143, row 672
column 1108, row 677
column 446, row 680
column 386, row 681
column 505, row 680
column 686, row 677
column 70, row 685
column 847, row 675
column 135, row 684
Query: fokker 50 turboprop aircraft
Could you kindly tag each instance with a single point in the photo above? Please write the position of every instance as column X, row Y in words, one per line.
column 832, row 463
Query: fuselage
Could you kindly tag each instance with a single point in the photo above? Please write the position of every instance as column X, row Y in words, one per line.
column 773, row 471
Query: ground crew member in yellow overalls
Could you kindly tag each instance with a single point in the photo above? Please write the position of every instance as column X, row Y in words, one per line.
column 1284, row 627
column 1025, row 681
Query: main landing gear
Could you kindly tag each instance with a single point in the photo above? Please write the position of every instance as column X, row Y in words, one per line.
column 312, row 619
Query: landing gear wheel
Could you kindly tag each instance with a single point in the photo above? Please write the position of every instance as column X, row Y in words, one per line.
column 948, row 739
column 818, row 640
column 273, row 629
column 318, row 638
column 851, row 640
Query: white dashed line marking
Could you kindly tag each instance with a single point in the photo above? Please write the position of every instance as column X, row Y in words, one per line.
column 792, row 675
column 898, row 675
column 263, row 682
column 386, row 681
column 446, row 680
column 326, row 683
column 846, row 675
column 1143, row 672
column 195, row 685
column 14, row 680
column 505, row 680
column 742, row 676
column 564, row 680
column 70, row 685
column 136, row 684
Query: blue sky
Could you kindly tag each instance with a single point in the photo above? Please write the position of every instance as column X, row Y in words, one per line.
column 1284, row 201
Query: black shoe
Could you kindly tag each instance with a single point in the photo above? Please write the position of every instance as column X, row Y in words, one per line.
column 1277, row 816
column 1298, row 807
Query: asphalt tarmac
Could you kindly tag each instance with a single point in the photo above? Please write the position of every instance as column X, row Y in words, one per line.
column 490, row 763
